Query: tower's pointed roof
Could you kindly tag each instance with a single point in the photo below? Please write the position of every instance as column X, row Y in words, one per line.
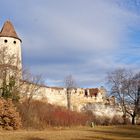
column 8, row 30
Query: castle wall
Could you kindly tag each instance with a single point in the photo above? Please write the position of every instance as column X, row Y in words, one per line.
column 58, row 96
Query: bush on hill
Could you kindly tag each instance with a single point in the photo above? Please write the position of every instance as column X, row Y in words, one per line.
column 39, row 115
column 9, row 117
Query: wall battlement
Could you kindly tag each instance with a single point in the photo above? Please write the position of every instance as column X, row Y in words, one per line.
column 78, row 96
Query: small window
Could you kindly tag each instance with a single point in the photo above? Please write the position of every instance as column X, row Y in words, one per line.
column 14, row 42
column 5, row 40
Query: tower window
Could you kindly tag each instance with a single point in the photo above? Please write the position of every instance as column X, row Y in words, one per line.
column 5, row 40
column 14, row 42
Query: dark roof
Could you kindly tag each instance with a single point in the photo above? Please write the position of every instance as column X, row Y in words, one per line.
column 94, row 90
column 8, row 30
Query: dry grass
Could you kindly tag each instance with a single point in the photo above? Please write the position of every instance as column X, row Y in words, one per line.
column 80, row 133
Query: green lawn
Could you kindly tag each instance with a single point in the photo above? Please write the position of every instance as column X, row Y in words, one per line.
column 77, row 133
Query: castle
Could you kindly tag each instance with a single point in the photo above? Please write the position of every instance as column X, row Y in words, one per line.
column 54, row 95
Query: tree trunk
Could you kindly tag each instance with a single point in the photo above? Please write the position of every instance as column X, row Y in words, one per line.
column 68, row 99
column 133, row 120
column 124, row 119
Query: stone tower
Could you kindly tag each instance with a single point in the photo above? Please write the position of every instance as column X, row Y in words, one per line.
column 10, row 49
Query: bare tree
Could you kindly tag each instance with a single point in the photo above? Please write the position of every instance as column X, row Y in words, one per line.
column 69, row 84
column 133, row 100
column 31, row 86
column 126, row 87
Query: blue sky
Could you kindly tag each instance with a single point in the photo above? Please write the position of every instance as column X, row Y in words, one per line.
column 84, row 38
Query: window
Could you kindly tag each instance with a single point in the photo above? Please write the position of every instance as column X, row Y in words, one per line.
column 14, row 42
column 5, row 40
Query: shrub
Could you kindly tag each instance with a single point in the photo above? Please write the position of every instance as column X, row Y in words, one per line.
column 39, row 115
column 9, row 117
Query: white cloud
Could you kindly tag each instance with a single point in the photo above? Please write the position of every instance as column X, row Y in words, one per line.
column 84, row 38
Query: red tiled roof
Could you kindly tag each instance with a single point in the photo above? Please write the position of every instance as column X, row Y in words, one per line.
column 8, row 31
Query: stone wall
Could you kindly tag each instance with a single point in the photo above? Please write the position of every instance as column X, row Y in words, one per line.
column 58, row 96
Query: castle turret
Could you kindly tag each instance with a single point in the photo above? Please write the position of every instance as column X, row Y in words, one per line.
column 10, row 45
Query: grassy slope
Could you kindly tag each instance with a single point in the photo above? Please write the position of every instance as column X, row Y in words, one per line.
column 85, row 133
